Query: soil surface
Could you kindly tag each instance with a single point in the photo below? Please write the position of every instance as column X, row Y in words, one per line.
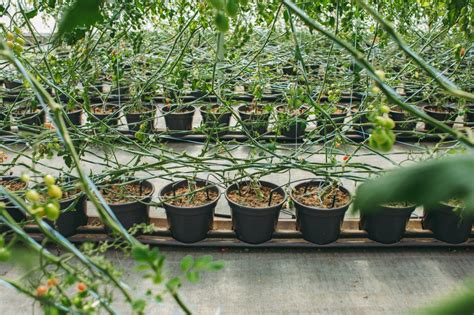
column 325, row 197
column 216, row 109
column 250, row 109
column 185, row 197
column 103, row 109
column 120, row 193
column 398, row 204
column 439, row 109
column 292, row 112
column 256, row 198
column 13, row 184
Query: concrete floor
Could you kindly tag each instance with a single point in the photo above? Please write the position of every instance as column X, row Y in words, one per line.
column 298, row 282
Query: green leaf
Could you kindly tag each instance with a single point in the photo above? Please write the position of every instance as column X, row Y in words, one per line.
column 203, row 262
column 216, row 265
column 142, row 253
column 82, row 13
column 173, row 284
column 186, row 263
column 192, row 276
column 458, row 303
column 423, row 184
column 139, row 306
column 31, row 14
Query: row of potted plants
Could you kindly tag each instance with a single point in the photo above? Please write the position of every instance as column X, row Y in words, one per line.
column 320, row 207
column 290, row 121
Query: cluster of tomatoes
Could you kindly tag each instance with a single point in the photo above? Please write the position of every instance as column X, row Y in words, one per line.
column 15, row 41
column 44, row 205
column 225, row 9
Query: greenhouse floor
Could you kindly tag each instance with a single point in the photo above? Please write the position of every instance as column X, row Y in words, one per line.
column 300, row 282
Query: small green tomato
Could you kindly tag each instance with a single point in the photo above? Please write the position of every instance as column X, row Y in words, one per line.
column 32, row 195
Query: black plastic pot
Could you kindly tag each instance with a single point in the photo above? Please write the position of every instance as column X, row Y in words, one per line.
column 403, row 122
column 4, row 123
column 253, row 123
column 13, row 84
column 110, row 119
column 75, row 117
column 216, row 123
column 469, row 117
column 255, row 225
column 294, row 127
column 16, row 213
column 179, row 121
column 362, row 121
column 135, row 120
column 189, row 224
column 446, row 225
column 386, row 224
column 318, row 225
column 70, row 220
column 447, row 117
column 338, row 119
column 29, row 121
column 134, row 212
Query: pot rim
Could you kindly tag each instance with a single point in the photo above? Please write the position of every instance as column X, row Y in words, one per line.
column 191, row 108
column 262, row 182
column 213, row 185
column 317, row 208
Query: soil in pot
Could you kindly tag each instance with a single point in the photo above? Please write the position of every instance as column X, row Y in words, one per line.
column 26, row 120
column 403, row 120
column 190, row 209
column 215, row 119
column 106, row 113
column 387, row 223
column 14, row 184
column 320, row 209
column 129, row 201
column 254, row 118
column 443, row 114
column 255, row 209
column 292, row 123
column 447, row 222
column 179, row 117
column 141, row 119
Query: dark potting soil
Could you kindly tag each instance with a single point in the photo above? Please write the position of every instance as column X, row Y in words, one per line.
column 120, row 193
column 258, row 198
column 398, row 204
column 438, row 109
column 291, row 112
column 12, row 184
column 184, row 197
column 325, row 197
column 103, row 110
column 256, row 110
column 216, row 109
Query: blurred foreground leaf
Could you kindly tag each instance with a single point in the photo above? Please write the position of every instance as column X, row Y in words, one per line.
column 425, row 183
column 459, row 303
column 78, row 18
